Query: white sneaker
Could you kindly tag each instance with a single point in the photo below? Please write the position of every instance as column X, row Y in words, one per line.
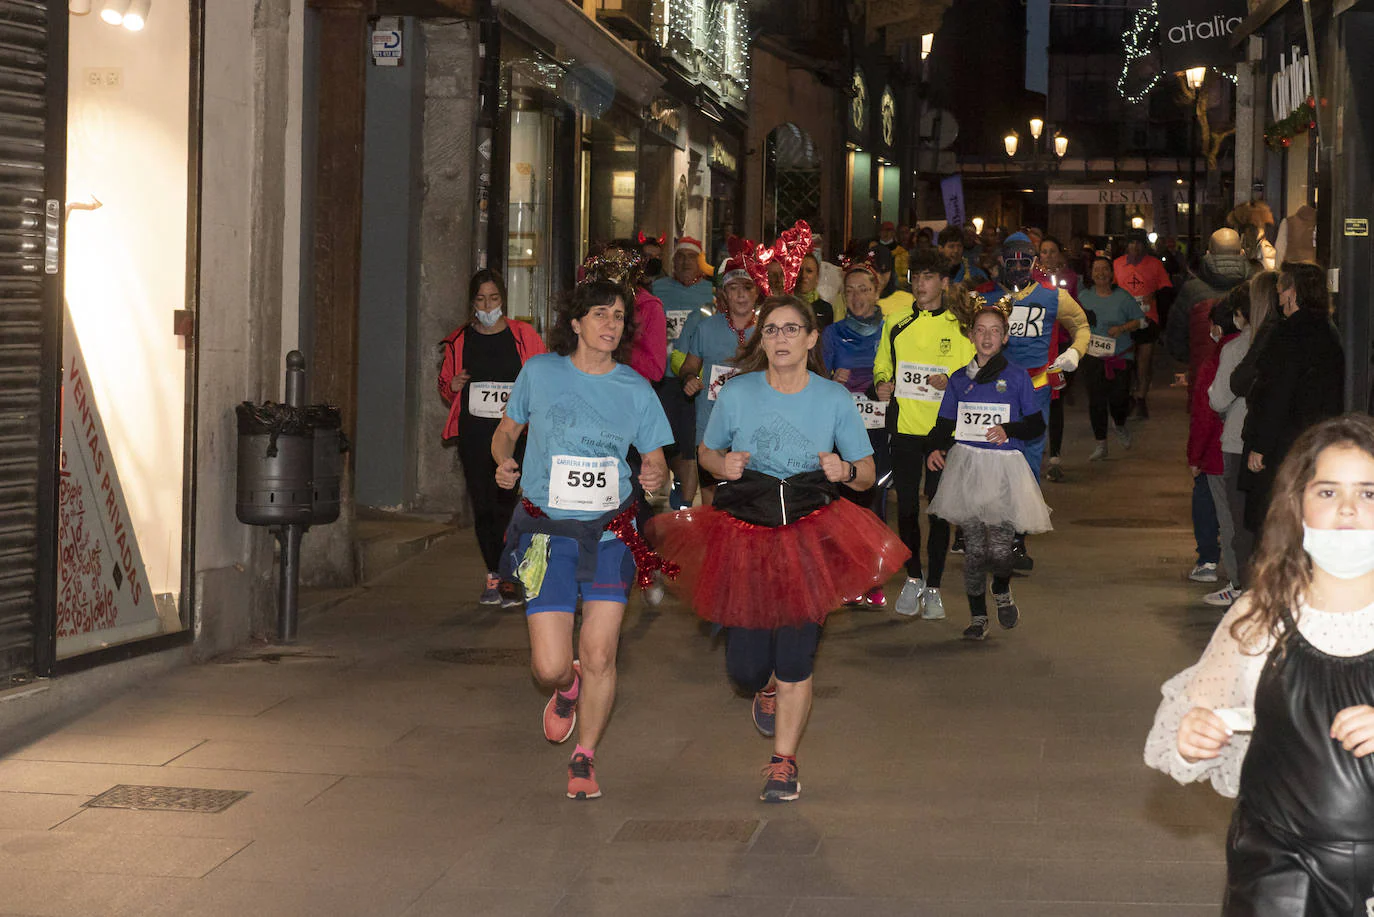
column 1100, row 452
column 1204, row 573
column 909, row 602
column 932, row 606
column 1224, row 598
column 1123, row 435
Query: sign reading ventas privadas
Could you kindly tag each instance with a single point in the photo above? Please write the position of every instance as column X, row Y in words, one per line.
column 1197, row 33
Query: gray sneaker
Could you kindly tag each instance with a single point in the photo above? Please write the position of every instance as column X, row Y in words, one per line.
column 1100, row 452
column 1008, row 615
column 909, row 602
column 1123, row 435
column 932, row 606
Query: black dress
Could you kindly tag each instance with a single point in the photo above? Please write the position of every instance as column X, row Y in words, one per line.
column 1301, row 842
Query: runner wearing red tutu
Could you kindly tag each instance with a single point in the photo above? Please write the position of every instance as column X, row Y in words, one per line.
column 778, row 551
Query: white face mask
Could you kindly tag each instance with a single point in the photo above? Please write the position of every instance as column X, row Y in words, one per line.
column 1344, row 553
column 488, row 317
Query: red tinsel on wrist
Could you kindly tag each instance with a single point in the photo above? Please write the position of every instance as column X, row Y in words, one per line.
column 647, row 560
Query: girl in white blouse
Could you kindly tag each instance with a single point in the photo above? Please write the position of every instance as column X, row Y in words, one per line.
column 1277, row 711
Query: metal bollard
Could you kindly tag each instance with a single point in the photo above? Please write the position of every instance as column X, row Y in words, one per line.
column 289, row 536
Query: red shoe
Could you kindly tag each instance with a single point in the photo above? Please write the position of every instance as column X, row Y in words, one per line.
column 582, row 778
column 560, row 714
column 876, row 598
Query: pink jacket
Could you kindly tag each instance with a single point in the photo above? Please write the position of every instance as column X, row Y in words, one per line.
column 649, row 349
column 527, row 344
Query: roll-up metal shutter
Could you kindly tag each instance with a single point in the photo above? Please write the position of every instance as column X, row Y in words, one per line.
column 31, row 212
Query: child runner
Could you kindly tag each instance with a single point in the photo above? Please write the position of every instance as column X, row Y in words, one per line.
column 778, row 551
column 1276, row 712
column 573, row 533
column 987, row 488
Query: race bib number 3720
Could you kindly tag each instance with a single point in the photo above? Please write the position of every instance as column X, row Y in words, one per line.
column 976, row 418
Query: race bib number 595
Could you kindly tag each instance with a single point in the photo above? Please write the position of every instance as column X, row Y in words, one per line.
column 584, row 483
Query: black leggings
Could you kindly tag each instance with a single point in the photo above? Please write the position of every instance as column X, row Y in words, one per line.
column 752, row 656
column 1057, row 415
column 875, row 498
column 908, row 465
column 1106, row 396
column 491, row 505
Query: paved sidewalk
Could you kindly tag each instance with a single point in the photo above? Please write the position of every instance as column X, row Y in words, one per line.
column 394, row 762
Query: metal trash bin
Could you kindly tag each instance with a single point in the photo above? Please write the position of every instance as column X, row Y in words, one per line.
column 326, row 423
column 276, row 462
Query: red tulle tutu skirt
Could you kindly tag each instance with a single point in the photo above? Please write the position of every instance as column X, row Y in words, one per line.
column 742, row 575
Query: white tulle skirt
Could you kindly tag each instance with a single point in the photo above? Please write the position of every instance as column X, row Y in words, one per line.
column 993, row 486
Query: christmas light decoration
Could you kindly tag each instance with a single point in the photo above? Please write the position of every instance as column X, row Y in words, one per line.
column 1141, row 40
column 1278, row 135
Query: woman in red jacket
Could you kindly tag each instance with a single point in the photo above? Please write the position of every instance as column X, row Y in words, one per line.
column 1204, row 446
column 481, row 360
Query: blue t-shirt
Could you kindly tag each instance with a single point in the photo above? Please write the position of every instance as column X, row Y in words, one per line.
column 1118, row 308
column 577, row 414
column 785, row 434
column 683, row 306
column 716, row 343
column 1012, row 386
column 845, row 346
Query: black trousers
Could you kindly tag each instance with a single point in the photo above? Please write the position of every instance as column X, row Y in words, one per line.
column 1105, row 396
column 875, row 498
column 753, row 655
column 491, row 505
column 1271, row 873
column 1057, row 415
column 908, row 466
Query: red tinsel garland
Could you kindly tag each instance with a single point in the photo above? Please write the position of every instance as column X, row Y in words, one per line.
column 647, row 560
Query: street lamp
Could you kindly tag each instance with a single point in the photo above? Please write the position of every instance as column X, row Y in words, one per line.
column 1010, row 141
column 1194, row 77
column 1061, row 145
column 927, row 42
column 1036, row 126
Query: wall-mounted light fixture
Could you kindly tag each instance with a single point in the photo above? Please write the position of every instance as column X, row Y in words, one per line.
column 1137, row 219
column 927, row 42
column 113, row 11
column 978, row 225
column 137, row 16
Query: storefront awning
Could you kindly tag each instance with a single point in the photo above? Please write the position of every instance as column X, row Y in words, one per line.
column 579, row 38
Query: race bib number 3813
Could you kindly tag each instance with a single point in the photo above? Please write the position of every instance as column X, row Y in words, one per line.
column 976, row 418
column 584, row 483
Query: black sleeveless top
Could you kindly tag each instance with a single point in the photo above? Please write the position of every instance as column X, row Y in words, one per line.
column 1295, row 776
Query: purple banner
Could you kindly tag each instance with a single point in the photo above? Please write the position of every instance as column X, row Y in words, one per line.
column 952, row 190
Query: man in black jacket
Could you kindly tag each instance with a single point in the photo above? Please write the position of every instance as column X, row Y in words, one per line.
column 1223, row 267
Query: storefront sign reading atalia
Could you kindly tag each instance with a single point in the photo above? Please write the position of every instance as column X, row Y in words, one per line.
column 1197, row 33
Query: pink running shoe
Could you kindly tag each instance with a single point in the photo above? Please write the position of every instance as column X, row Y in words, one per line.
column 560, row 714
column 876, row 598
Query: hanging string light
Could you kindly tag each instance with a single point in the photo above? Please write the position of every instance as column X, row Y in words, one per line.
column 1141, row 40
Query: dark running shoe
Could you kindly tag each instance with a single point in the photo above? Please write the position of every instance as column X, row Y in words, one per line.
column 1008, row 615
column 977, row 629
column 512, row 594
column 766, row 712
column 782, row 784
column 958, row 546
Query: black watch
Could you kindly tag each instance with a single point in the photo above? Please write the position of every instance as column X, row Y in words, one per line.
column 853, row 472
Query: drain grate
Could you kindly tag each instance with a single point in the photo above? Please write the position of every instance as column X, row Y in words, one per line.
column 644, row 830
column 167, row 799
column 1128, row 522
column 481, row 656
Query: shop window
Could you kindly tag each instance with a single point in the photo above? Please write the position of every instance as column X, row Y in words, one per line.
column 792, row 179
column 612, row 161
column 124, row 370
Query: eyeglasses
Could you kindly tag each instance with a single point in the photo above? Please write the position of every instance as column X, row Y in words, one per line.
column 789, row 330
